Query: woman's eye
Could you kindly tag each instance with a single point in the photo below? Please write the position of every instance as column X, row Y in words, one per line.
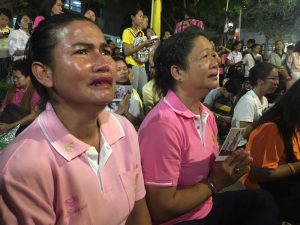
column 82, row 52
column 106, row 52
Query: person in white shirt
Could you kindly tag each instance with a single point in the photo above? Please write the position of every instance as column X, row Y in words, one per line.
column 235, row 56
column 264, row 79
column 235, row 62
column 294, row 62
column 252, row 58
column 131, row 105
column 18, row 38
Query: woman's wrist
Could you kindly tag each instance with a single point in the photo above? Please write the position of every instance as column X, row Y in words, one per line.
column 211, row 185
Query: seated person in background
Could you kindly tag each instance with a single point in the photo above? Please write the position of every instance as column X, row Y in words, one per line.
column 150, row 95
column 280, row 90
column 264, row 79
column 178, row 143
column 252, row 58
column 18, row 38
column 5, row 16
column 293, row 62
column 230, row 89
column 221, row 101
column 250, row 43
column 274, row 144
column 131, row 105
column 278, row 57
column 222, row 53
column 235, row 62
column 22, row 98
column 48, row 8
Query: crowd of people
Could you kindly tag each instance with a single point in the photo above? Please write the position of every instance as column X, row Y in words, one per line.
column 95, row 134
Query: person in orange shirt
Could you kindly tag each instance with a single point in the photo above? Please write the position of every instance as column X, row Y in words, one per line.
column 274, row 144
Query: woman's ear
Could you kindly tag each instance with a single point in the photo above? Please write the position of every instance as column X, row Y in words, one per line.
column 176, row 73
column 43, row 74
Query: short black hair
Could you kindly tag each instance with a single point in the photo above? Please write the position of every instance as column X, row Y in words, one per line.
column 5, row 12
column 255, row 45
column 46, row 8
column 18, row 20
column 251, row 40
column 297, row 47
column 173, row 51
column 233, row 86
column 290, row 47
column 260, row 72
column 21, row 65
column 108, row 41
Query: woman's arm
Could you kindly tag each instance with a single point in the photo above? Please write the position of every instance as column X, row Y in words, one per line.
column 18, row 52
column 166, row 203
column 4, row 127
column 139, row 214
column 259, row 174
column 129, row 50
column 267, row 149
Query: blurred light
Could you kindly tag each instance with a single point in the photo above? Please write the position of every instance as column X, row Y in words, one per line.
column 230, row 24
column 76, row 2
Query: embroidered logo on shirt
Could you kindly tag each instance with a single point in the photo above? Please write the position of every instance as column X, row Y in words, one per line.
column 73, row 207
column 214, row 139
column 69, row 147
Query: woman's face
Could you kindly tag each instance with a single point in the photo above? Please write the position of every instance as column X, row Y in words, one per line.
column 150, row 33
column 83, row 71
column 270, row 84
column 279, row 45
column 20, row 81
column 122, row 72
column 202, row 72
column 138, row 19
column 145, row 22
column 57, row 8
column 90, row 15
column 24, row 22
column 238, row 47
column 4, row 20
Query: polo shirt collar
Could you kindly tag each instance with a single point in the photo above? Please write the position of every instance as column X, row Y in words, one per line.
column 177, row 106
column 67, row 145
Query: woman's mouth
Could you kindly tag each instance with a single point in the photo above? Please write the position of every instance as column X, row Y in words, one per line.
column 105, row 82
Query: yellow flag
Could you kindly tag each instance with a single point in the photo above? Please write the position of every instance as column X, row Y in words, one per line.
column 156, row 14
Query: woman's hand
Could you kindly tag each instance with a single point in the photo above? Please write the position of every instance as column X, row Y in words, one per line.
column 124, row 104
column 148, row 43
column 230, row 170
column 4, row 127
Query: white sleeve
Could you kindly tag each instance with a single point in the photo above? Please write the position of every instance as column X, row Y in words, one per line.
column 134, row 108
column 244, row 110
column 230, row 57
column 12, row 42
column 211, row 97
column 246, row 59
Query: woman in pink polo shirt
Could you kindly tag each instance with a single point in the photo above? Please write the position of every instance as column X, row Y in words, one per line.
column 76, row 163
column 48, row 8
column 20, row 106
column 178, row 142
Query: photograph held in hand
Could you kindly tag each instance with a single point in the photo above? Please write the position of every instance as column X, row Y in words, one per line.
column 230, row 144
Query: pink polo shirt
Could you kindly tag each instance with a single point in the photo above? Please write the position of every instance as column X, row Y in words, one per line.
column 47, row 177
column 35, row 99
column 178, row 149
column 37, row 21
